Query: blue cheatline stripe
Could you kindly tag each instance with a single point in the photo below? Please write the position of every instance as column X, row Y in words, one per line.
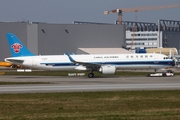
column 169, row 63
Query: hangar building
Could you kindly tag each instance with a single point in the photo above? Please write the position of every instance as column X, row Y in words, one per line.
column 46, row 38
column 141, row 35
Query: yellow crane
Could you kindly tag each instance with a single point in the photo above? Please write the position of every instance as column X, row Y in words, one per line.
column 137, row 9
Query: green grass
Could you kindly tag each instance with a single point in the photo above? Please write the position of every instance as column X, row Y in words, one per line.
column 134, row 105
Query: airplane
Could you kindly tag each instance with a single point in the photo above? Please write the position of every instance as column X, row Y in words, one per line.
column 103, row 63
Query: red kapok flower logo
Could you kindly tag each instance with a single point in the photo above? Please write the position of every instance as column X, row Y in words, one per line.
column 16, row 47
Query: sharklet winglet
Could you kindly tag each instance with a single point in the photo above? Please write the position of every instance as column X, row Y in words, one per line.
column 70, row 58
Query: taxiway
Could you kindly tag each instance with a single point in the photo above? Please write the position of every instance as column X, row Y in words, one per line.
column 80, row 84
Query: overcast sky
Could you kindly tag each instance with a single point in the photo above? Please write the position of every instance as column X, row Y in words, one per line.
column 66, row 11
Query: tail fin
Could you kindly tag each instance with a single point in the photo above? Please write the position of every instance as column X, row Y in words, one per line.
column 17, row 48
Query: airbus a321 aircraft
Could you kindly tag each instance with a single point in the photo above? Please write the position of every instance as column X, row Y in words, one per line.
column 103, row 63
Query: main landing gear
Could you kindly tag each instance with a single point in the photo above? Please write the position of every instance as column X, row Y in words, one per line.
column 91, row 74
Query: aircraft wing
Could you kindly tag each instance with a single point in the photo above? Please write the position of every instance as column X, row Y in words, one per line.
column 88, row 65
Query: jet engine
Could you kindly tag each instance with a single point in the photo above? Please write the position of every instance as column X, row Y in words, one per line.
column 107, row 69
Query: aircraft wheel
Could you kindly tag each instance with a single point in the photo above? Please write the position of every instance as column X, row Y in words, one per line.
column 164, row 75
column 90, row 75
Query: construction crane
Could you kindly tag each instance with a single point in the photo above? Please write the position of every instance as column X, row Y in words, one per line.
column 121, row 10
column 132, row 42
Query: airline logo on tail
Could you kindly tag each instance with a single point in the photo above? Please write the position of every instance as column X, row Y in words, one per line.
column 16, row 47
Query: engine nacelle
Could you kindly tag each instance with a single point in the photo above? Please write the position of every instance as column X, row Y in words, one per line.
column 107, row 69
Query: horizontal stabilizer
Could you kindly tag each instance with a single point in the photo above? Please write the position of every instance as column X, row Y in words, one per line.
column 14, row 60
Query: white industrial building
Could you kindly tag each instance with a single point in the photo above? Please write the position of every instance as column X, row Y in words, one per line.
column 143, row 39
column 142, row 35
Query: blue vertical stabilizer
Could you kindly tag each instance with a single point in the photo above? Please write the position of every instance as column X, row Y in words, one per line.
column 17, row 48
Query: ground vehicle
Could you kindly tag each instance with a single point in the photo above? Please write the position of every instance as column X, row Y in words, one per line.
column 8, row 64
column 167, row 73
column 5, row 64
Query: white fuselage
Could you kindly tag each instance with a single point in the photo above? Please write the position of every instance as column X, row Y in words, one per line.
column 120, row 61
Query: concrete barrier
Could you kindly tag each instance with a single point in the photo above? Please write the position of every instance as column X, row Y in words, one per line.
column 20, row 70
column 24, row 70
column 28, row 70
